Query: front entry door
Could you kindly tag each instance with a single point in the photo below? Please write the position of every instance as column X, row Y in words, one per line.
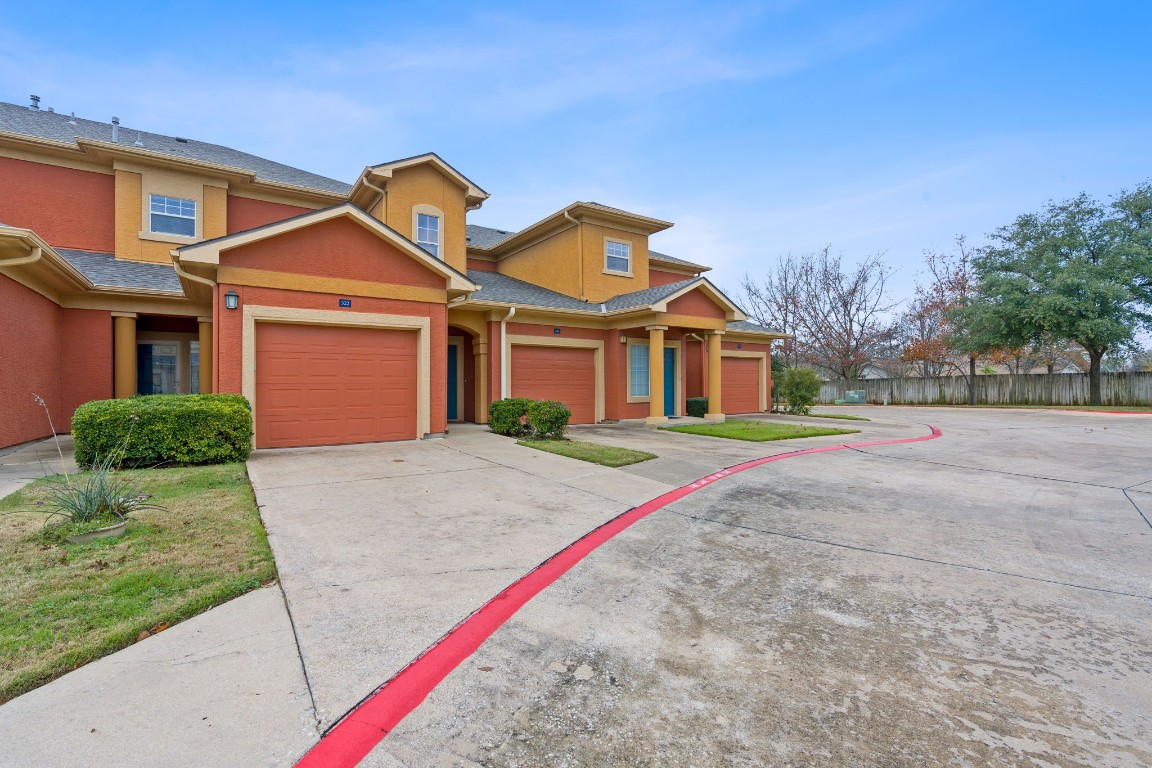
column 669, row 381
column 453, row 395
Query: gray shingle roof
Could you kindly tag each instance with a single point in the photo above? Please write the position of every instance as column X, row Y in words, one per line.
column 486, row 237
column 665, row 257
column 509, row 290
column 105, row 270
column 647, row 296
column 58, row 127
column 749, row 327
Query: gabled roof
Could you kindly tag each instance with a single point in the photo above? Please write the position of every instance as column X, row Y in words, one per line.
column 208, row 252
column 473, row 194
column 104, row 270
column 747, row 326
column 647, row 296
column 57, row 127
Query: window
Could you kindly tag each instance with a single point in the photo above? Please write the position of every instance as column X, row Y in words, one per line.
column 428, row 233
column 618, row 257
column 173, row 215
column 638, row 370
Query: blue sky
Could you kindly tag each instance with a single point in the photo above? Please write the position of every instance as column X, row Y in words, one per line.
column 759, row 128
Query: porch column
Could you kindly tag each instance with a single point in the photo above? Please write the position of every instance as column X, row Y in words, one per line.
column 205, row 354
column 656, row 374
column 715, row 406
column 480, row 356
column 124, row 354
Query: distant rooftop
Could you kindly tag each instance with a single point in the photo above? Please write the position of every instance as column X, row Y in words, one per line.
column 57, row 126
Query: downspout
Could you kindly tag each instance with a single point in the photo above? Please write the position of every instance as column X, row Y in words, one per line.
column 382, row 200
column 505, row 353
column 580, row 250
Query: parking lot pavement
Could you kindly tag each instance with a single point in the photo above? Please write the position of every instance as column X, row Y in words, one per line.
column 980, row 599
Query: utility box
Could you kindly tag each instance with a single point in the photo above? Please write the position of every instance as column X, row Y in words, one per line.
column 856, row 397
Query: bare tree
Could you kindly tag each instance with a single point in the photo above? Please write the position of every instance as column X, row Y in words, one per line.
column 840, row 318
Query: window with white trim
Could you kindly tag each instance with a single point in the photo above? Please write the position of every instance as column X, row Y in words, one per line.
column 618, row 257
column 428, row 233
column 638, row 382
column 172, row 215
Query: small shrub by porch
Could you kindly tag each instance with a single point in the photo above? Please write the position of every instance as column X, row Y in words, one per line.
column 166, row 430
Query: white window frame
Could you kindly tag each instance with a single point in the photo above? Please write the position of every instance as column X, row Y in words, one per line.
column 180, row 205
column 433, row 247
column 608, row 270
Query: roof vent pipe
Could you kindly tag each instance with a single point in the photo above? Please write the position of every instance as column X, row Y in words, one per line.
column 115, row 130
column 72, row 120
column 35, row 102
column 138, row 142
column 52, row 110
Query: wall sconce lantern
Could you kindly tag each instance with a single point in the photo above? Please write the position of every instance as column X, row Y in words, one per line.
column 623, row 339
column 231, row 300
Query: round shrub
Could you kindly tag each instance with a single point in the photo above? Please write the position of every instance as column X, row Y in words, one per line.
column 800, row 387
column 507, row 417
column 548, row 418
column 697, row 406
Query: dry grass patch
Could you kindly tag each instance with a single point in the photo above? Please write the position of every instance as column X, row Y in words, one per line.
column 68, row 604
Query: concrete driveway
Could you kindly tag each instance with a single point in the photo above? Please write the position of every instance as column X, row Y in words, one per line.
column 981, row 599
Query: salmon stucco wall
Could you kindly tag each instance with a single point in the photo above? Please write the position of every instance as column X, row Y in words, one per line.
column 695, row 365
column 697, row 304
column 228, row 352
column 68, row 208
column 337, row 248
column 85, row 359
column 482, row 265
column 658, row 277
column 29, row 345
column 246, row 213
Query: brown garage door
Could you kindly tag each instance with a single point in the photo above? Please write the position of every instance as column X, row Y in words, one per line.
column 324, row 385
column 557, row 373
column 740, row 390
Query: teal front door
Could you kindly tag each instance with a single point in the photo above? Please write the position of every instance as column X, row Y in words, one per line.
column 453, row 394
column 669, row 381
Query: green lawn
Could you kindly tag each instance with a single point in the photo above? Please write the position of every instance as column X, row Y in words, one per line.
column 606, row 455
column 758, row 431
column 66, row 605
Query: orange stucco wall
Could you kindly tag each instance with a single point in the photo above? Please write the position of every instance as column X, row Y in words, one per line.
column 228, row 352
column 335, row 248
column 63, row 355
column 695, row 367
column 244, row 213
column 69, row 208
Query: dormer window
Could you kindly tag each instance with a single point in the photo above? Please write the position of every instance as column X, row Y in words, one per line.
column 428, row 233
column 172, row 216
column 618, row 257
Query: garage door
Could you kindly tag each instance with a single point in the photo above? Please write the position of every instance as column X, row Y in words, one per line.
column 740, row 384
column 557, row 373
column 324, row 385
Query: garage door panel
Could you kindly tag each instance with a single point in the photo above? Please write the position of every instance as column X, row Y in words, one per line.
column 327, row 385
column 567, row 374
column 740, row 384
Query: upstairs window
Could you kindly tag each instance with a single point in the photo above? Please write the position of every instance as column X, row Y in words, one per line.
column 173, row 216
column 428, row 233
column 618, row 257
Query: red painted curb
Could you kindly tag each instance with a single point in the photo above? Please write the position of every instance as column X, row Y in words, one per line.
column 351, row 739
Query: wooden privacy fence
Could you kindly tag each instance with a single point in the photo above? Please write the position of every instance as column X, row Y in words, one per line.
column 999, row 389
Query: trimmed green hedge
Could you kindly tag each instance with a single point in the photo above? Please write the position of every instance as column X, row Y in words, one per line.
column 165, row 430
column 697, row 406
column 521, row 417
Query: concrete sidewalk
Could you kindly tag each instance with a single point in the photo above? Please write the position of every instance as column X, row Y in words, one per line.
column 22, row 465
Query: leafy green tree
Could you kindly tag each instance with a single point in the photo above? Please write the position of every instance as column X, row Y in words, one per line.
column 1078, row 270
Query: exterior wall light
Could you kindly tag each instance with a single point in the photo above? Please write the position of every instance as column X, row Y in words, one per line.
column 623, row 339
column 231, row 300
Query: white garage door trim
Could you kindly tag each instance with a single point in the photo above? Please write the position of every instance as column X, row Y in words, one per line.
column 595, row 345
column 422, row 325
column 762, row 385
